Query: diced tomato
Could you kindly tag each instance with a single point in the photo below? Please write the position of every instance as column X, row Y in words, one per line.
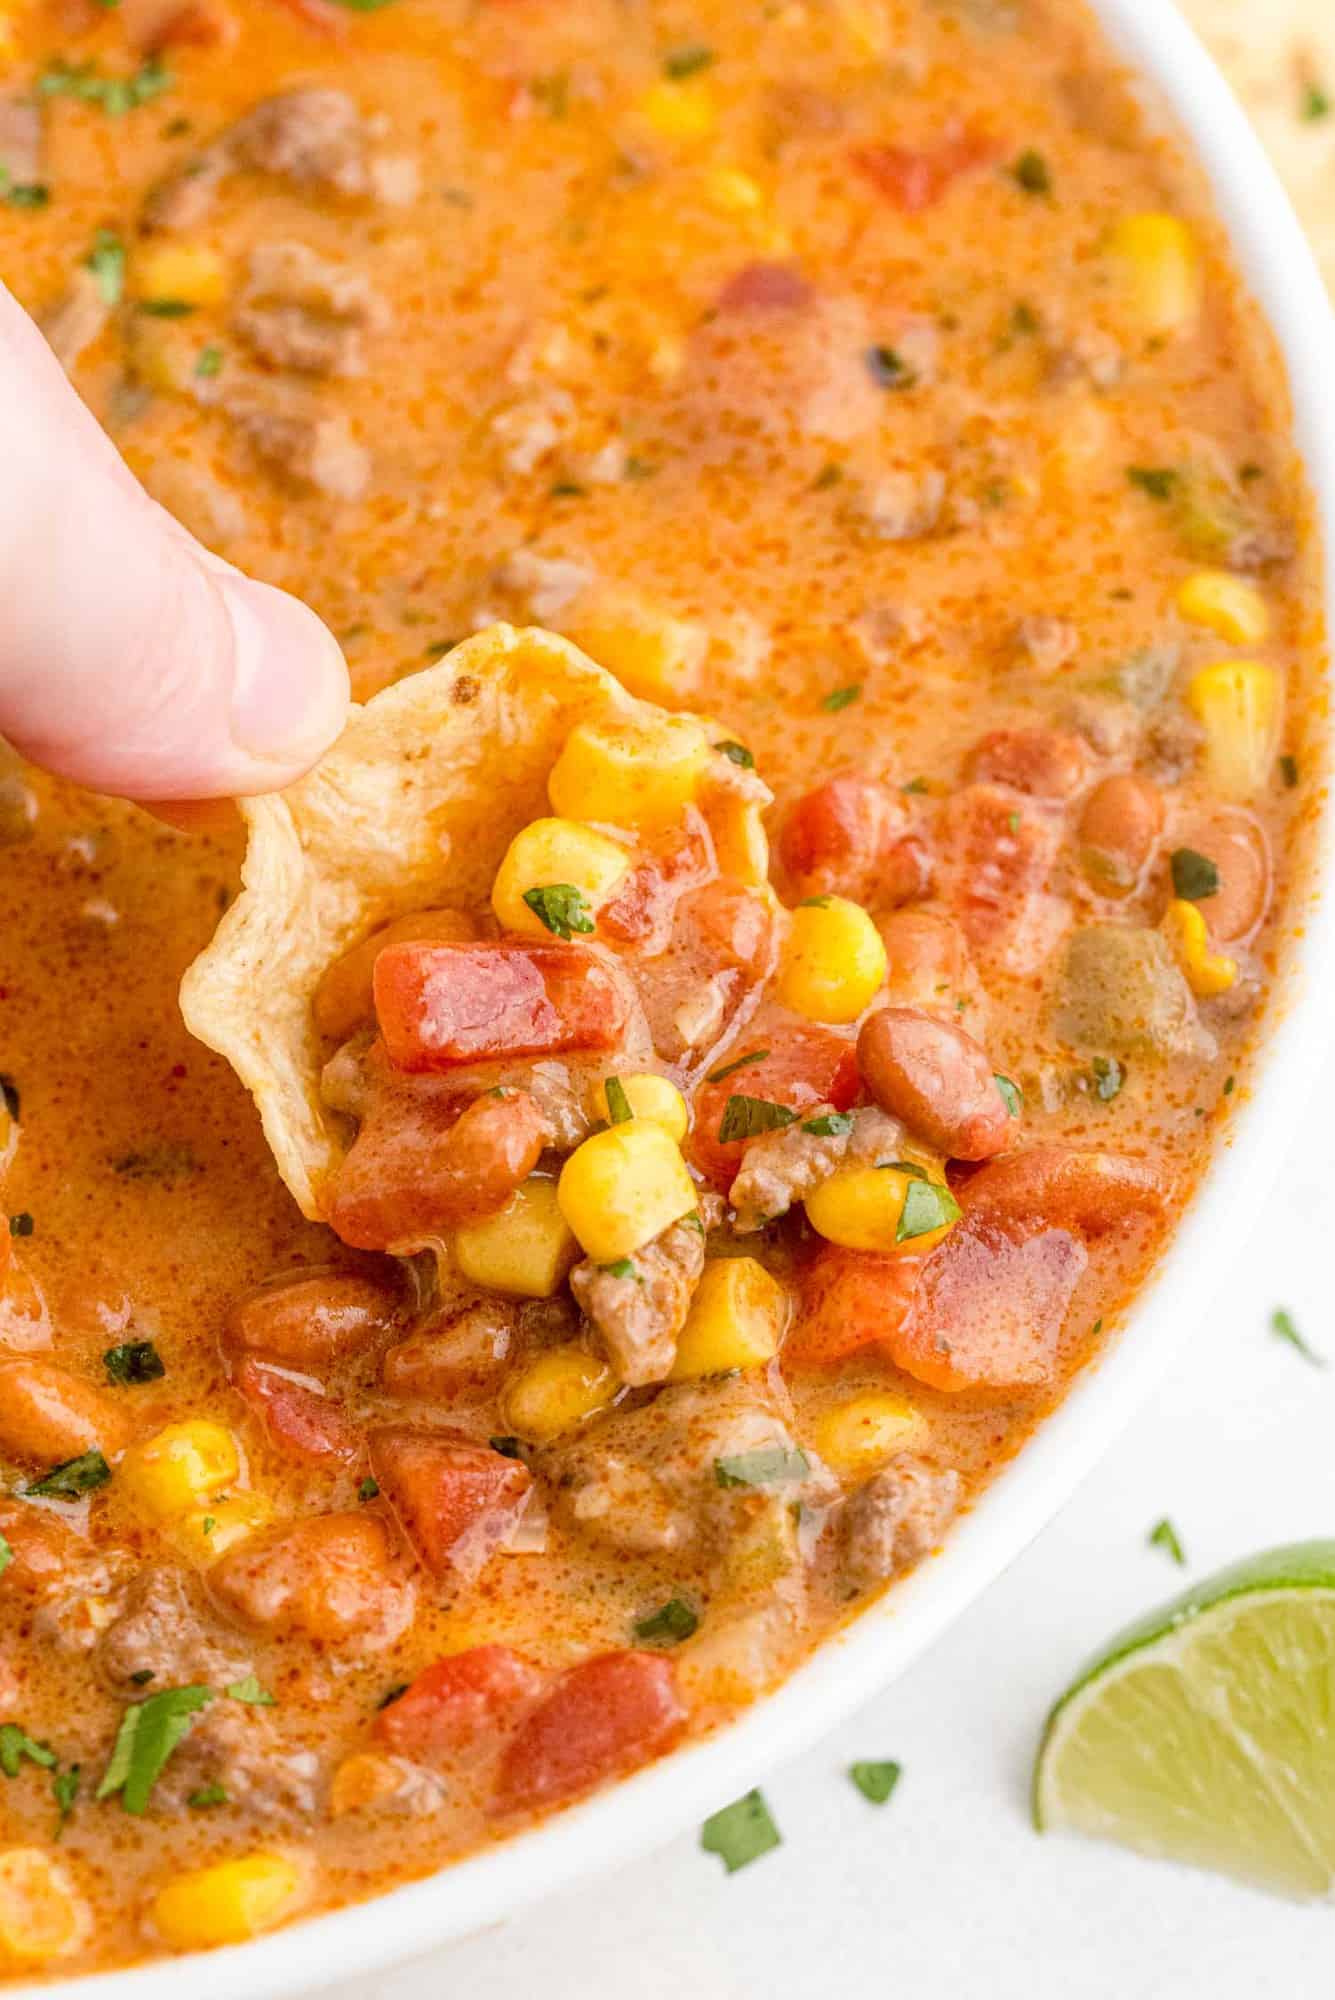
column 641, row 910
column 850, row 1299
column 764, row 287
column 603, row 1717
column 442, row 1004
column 733, row 920
column 989, row 1307
column 916, row 177
column 415, row 1169
column 997, row 853
column 299, row 1420
column 460, row 1701
column 852, row 837
column 456, row 1501
column 795, row 1067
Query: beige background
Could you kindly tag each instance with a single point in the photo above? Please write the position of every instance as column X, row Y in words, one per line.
column 1272, row 51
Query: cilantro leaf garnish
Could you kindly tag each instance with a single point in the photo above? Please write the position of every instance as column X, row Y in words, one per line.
column 250, row 1691
column 133, row 1361
column 927, row 1206
column 149, row 1732
column 71, row 1480
column 841, row 698
column 771, row 1465
column 829, row 1125
column 731, row 1068
column 1108, row 1076
column 746, row 1117
column 106, row 261
column 669, row 1625
column 65, row 1790
column 1010, row 1095
column 875, row 1781
column 1195, row 876
column 16, row 1744
column 741, row 1833
column 1158, row 481
column 1283, row 1324
column 561, row 907
column 618, row 1104
column 1163, row 1535
column 736, row 753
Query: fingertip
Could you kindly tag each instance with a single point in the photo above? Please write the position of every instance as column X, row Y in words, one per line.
column 290, row 689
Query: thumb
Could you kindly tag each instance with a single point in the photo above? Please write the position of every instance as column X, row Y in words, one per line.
column 132, row 660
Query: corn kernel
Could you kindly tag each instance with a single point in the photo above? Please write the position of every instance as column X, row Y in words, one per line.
column 629, row 772
column 1225, row 604
column 658, row 657
column 858, row 1437
column 550, row 852
column 562, row 1389
column 741, row 845
column 1159, row 272
column 227, row 1902
column 178, row 1468
column 623, row 1187
column 180, row 273
column 363, row 1780
column 732, row 192
column 651, row 1097
column 682, row 111
column 42, row 1915
column 210, row 1531
column 762, row 1547
column 833, row 962
column 1237, row 703
column 525, row 1249
column 1206, row 972
column 863, row 1208
column 737, row 1319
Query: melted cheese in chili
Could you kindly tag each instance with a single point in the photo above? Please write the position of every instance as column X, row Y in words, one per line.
column 867, row 376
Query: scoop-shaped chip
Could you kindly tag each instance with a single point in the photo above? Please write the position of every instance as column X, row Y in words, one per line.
column 414, row 806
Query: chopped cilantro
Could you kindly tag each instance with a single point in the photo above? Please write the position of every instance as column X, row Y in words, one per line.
column 669, row 1625
column 888, row 369
column 1011, row 1096
column 393, row 1694
column 561, row 907
column 1230, row 1084
column 915, row 786
column 621, row 1267
column 1288, row 771
column 841, row 698
column 747, row 1117
column 508, row 1447
column 133, row 1361
column 369, row 1488
column 114, row 94
column 208, row 1795
column 1315, row 103
column 142, row 1676
column 1283, row 1324
column 1107, row 1076
column 106, row 261
column 16, row 1744
column 208, row 1524
column 771, row 1465
column 1195, row 876
column 927, row 1206
column 829, row 475
column 618, row 1104
column 1031, row 172
column 741, row 1833
column 688, row 60
column 165, row 308
column 815, row 902
column 20, row 1224
column 25, row 194
column 875, row 1781
column 150, row 1730
column 73, row 1479
column 829, row 1125
column 1013, row 822
column 1159, row 481
column 208, row 362
column 737, row 753
column 1163, row 1535
column 729, row 1069
column 6, row 1555
column 250, row 1691
column 65, row 1789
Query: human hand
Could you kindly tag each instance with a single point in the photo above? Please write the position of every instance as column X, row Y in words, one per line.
column 132, row 660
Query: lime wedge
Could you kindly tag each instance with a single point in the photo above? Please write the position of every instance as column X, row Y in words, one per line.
column 1205, row 1733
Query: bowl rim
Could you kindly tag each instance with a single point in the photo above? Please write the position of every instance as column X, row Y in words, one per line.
column 646, row 1810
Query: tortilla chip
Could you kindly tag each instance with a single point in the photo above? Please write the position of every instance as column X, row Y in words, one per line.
column 413, row 807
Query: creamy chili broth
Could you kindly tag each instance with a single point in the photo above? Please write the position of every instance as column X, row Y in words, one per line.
column 867, row 378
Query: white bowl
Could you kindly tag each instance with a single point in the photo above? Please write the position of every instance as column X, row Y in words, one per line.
column 650, row 1808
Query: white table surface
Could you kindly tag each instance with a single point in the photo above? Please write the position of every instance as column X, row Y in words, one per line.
column 947, row 1891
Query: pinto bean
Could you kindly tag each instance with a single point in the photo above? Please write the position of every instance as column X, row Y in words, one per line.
column 331, row 1577
column 1088, row 1192
column 343, row 999
column 311, row 1318
column 1120, row 827
column 407, row 1177
column 48, row 1415
column 1041, row 762
column 451, row 1357
column 1237, row 845
column 937, row 1079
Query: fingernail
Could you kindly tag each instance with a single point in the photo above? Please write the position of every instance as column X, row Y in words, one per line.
column 290, row 681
